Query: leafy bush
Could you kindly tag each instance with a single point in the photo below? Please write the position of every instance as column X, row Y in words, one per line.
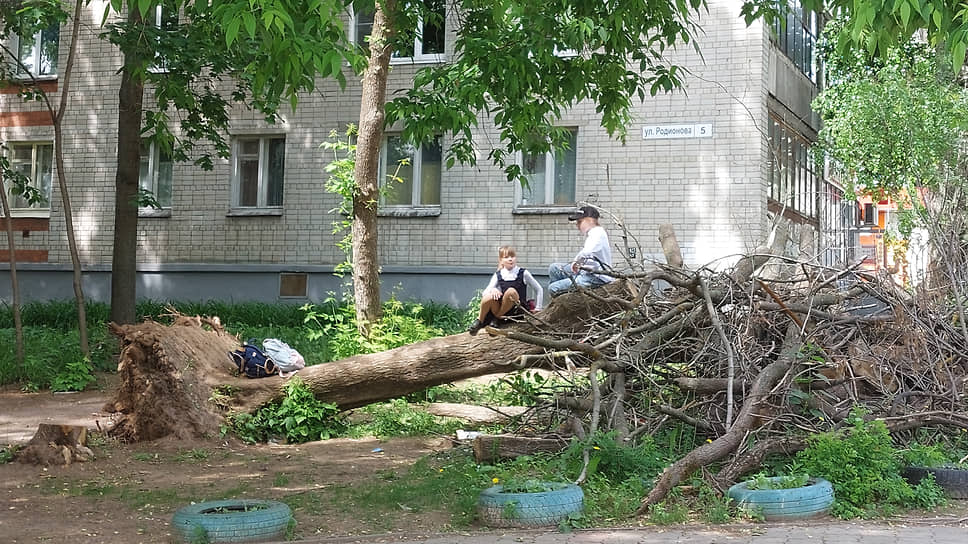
column 50, row 353
column 864, row 468
column 763, row 482
column 922, row 455
column 75, row 376
column 299, row 417
column 399, row 326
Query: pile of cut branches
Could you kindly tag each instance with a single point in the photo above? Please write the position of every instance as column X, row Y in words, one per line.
column 757, row 357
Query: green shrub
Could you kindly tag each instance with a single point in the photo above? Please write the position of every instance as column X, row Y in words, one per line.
column 298, row 417
column 864, row 468
column 399, row 326
column 75, row 376
column 793, row 481
column 922, row 455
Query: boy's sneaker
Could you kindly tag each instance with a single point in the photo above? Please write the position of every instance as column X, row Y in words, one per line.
column 475, row 326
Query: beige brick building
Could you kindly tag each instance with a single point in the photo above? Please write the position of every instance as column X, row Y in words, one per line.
column 717, row 160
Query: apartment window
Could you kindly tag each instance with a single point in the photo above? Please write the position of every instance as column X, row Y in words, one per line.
column 35, row 161
column 155, row 173
column 38, row 53
column 424, row 42
column 550, row 176
column 411, row 173
column 258, row 169
column 164, row 17
column 794, row 180
column 795, row 33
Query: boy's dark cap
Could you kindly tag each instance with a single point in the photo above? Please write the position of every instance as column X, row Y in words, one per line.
column 583, row 212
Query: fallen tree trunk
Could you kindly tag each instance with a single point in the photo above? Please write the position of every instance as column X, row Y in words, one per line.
column 179, row 380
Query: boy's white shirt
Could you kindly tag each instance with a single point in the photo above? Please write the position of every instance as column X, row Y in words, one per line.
column 596, row 247
column 508, row 275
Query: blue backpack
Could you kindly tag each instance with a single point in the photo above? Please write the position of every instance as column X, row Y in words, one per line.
column 252, row 362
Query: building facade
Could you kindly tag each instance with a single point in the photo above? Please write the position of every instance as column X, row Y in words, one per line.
column 720, row 160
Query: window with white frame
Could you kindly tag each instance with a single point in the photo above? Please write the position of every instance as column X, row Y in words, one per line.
column 258, row 171
column 38, row 53
column 155, row 174
column 795, row 176
column 35, row 161
column 550, row 176
column 411, row 173
column 164, row 17
column 425, row 42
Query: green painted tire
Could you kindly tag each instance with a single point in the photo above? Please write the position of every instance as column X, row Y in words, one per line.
column 536, row 509
column 232, row 520
column 811, row 500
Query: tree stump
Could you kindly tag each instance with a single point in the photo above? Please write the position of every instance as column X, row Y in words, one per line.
column 56, row 445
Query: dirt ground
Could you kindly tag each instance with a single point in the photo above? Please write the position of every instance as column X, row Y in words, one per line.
column 129, row 493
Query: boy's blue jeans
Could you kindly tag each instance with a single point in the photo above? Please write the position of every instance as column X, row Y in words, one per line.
column 561, row 275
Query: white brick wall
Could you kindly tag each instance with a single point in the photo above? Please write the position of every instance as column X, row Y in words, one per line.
column 712, row 190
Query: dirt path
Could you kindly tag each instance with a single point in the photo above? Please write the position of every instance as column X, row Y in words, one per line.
column 129, row 492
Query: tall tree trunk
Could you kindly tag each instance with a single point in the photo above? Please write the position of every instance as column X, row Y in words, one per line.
column 366, row 269
column 125, row 258
column 14, row 286
column 62, row 185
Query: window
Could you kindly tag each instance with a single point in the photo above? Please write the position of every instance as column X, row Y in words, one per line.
column 35, row 161
column 796, row 35
column 258, row 168
column 155, row 173
column 794, row 182
column 38, row 54
column 551, row 175
column 424, row 42
column 164, row 17
column 411, row 173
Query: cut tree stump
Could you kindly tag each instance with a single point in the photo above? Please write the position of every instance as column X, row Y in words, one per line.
column 56, row 445
column 494, row 447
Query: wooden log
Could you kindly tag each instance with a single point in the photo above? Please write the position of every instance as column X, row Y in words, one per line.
column 54, row 444
column 670, row 245
column 477, row 415
column 494, row 447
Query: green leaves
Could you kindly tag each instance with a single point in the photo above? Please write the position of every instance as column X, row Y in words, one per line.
column 524, row 64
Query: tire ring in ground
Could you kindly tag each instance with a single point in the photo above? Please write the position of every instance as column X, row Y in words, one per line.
column 954, row 481
column 232, row 520
column 537, row 509
column 811, row 500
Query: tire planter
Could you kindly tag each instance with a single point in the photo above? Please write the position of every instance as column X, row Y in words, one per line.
column 813, row 499
column 232, row 521
column 954, row 481
column 530, row 509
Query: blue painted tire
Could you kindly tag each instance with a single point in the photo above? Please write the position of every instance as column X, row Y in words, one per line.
column 811, row 500
column 232, row 520
column 536, row 509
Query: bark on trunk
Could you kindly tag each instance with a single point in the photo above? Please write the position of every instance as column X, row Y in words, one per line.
column 488, row 448
column 14, row 286
column 366, row 268
column 63, row 187
column 125, row 257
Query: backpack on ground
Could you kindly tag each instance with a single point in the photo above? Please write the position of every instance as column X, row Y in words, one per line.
column 287, row 360
column 252, row 362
